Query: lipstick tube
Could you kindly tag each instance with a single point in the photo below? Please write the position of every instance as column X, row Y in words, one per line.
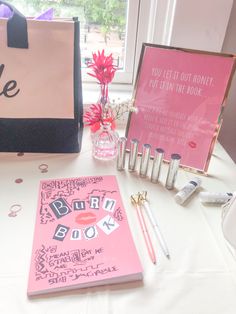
column 156, row 166
column 133, row 154
column 172, row 171
column 121, row 153
column 145, row 160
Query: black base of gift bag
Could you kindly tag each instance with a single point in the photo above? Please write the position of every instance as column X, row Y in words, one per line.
column 40, row 135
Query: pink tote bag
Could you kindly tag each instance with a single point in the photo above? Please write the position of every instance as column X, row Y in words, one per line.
column 40, row 85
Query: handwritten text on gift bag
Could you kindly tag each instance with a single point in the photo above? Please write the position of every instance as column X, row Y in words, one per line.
column 9, row 89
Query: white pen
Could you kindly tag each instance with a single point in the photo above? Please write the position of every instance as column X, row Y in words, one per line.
column 155, row 225
column 135, row 199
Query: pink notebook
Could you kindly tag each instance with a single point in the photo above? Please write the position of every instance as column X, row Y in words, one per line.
column 82, row 236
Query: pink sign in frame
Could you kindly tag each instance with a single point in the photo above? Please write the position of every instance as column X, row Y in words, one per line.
column 180, row 94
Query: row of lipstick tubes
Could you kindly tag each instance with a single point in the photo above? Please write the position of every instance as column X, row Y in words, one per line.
column 145, row 158
column 185, row 192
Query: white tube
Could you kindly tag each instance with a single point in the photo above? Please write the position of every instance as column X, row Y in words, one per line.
column 215, row 197
column 187, row 190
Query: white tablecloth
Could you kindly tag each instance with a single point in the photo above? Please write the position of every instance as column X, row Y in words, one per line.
column 200, row 277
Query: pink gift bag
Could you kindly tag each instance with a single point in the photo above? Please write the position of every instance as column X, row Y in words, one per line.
column 40, row 85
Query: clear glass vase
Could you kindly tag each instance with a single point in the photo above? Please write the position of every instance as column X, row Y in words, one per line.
column 105, row 142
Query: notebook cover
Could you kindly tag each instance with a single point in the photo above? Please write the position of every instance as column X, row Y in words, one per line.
column 82, row 237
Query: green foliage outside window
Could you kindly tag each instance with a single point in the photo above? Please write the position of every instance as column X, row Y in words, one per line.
column 110, row 15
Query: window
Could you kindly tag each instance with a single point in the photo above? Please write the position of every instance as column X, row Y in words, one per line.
column 126, row 24
column 105, row 24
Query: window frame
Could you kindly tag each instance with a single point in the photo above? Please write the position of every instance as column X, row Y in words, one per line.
column 125, row 76
column 178, row 23
column 150, row 21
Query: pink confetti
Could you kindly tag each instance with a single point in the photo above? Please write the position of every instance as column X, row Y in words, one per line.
column 19, row 180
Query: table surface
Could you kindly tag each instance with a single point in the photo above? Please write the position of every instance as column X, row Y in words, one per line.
column 200, row 277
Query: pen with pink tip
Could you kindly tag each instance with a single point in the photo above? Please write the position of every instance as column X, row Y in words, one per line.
column 135, row 199
column 145, row 204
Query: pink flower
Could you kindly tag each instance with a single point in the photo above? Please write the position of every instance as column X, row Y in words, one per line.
column 102, row 67
column 93, row 114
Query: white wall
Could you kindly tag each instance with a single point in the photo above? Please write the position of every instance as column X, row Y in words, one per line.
column 200, row 24
column 227, row 136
